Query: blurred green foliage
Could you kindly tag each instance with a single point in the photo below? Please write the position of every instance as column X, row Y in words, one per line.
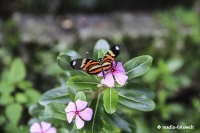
column 174, row 75
column 16, row 93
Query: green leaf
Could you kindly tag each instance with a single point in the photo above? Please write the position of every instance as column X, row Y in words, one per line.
column 46, row 117
column 21, row 97
column 56, row 110
column 80, row 95
column 59, row 95
column 24, row 85
column 33, row 96
column 5, row 99
column 6, row 87
column 151, row 76
column 64, row 59
column 126, row 123
column 110, row 125
column 138, row 66
column 63, row 130
column 11, row 128
column 135, row 100
column 13, row 113
column 102, row 53
column 72, row 92
column 98, row 78
column 17, row 71
column 101, row 44
column 107, row 128
column 77, row 72
column 121, row 123
column 24, row 128
column 83, row 82
column 73, row 54
column 110, row 100
column 96, row 124
column 33, row 120
column 64, row 62
column 140, row 88
column 35, row 109
column 2, row 119
column 5, row 74
column 174, row 64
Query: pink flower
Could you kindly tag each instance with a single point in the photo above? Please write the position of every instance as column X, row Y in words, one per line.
column 79, row 111
column 119, row 74
column 43, row 128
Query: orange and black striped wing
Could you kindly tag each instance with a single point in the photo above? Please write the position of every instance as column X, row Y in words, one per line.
column 90, row 66
column 110, row 57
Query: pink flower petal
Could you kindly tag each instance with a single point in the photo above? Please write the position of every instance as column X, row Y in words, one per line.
column 120, row 68
column 100, row 74
column 121, row 78
column 81, row 105
column 45, row 126
column 51, row 130
column 35, row 128
column 70, row 116
column 113, row 64
column 109, row 81
column 86, row 114
column 70, row 107
column 79, row 122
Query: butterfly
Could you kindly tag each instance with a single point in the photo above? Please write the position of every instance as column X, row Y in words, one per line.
column 94, row 67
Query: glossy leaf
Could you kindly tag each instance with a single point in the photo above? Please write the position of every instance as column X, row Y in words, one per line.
column 138, row 66
column 77, row 72
column 126, row 123
column 107, row 128
column 46, row 117
column 96, row 124
column 65, row 58
column 72, row 92
column 13, row 113
column 83, row 82
column 110, row 100
column 135, row 100
column 64, row 62
column 113, row 127
column 101, row 44
column 56, row 110
column 59, row 95
column 102, row 53
column 35, row 110
column 80, row 95
column 121, row 123
column 140, row 88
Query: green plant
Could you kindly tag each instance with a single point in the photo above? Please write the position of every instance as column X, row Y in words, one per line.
column 106, row 102
column 16, row 94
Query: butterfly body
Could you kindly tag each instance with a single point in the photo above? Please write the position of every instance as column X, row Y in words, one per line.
column 94, row 67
